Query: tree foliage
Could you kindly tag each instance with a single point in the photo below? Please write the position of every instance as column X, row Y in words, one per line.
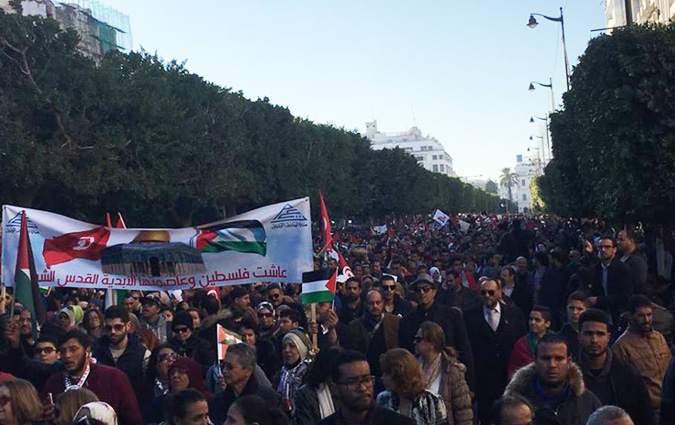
column 165, row 147
column 614, row 141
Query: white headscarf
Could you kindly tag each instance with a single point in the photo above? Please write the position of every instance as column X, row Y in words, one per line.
column 98, row 410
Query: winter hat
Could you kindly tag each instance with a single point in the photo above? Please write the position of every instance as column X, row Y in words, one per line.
column 301, row 341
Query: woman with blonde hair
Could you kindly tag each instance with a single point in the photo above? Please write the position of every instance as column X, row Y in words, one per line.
column 69, row 402
column 19, row 403
column 407, row 391
column 444, row 375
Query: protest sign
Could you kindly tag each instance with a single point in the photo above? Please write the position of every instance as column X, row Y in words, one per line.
column 269, row 244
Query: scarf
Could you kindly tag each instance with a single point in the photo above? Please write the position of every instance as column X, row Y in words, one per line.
column 68, row 384
column 326, row 407
column 100, row 411
column 291, row 379
column 431, row 370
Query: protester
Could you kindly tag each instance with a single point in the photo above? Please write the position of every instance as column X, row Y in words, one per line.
column 453, row 294
column 189, row 407
column 444, row 375
column 610, row 415
column 253, row 410
column 523, row 350
column 157, row 374
column 316, row 400
column 19, row 403
column 407, row 391
column 577, row 303
column 97, row 410
column 612, row 287
column 297, row 355
column 354, row 387
column 187, row 343
column 512, row 410
column 93, row 323
column 554, row 385
column 153, row 320
column 68, row 404
column 393, row 302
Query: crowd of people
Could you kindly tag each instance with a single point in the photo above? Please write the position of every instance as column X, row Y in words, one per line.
column 513, row 321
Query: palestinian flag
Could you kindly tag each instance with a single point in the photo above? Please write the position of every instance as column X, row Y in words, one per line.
column 241, row 236
column 225, row 338
column 26, row 289
column 318, row 287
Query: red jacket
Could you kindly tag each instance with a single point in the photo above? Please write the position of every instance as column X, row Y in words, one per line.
column 520, row 355
column 111, row 386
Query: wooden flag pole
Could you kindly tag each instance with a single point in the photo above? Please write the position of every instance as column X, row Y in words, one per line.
column 315, row 329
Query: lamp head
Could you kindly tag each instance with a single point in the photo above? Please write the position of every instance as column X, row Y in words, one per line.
column 531, row 87
column 530, row 139
column 531, row 119
column 532, row 22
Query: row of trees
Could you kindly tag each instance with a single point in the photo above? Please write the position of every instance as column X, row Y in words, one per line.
column 614, row 141
column 165, row 147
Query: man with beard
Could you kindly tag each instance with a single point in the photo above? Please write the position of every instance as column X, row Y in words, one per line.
column 554, row 385
column 636, row 262
column 154, row 320
column 109, row 384
column 607, row 376
column 120, row 348
column 353, row 307
column 354, row 388
column 646, row 349
column 454, row 294
column 375, row 332
column 612, row 287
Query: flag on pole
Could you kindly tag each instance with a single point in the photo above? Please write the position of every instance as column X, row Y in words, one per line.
column 225, row 338
column 318, row 286
column 325, row 224
column 120, row 222
column 343, row 265
column 115, row 296
column 26, row 289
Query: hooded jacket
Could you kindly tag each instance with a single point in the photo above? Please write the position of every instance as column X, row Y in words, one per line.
column 577, row 402
column 162, row 328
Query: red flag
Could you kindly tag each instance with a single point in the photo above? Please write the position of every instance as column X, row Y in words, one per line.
column 87, row 245
column 107, row 220
column 346, row 270
column 325, row 223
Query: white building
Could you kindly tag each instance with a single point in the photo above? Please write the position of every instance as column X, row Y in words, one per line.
column 427, row 150
column 642, row 11
column 526, row 169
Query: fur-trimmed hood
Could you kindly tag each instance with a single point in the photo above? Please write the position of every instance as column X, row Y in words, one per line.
column 522, row 382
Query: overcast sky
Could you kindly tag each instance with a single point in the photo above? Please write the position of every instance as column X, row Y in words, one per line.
column 459, row 70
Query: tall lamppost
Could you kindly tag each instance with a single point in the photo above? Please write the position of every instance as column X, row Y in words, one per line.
column 548, row 142
column 541, row 139
column 532, row 23
column 549, row 85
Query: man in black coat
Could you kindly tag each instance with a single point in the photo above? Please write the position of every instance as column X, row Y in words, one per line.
column 495, row 328
column 120, row 348
column 612, row 380
column 448, row 318
column 612, row 286
column 453, row 294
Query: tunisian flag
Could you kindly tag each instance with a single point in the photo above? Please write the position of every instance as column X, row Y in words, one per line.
column 87, row 245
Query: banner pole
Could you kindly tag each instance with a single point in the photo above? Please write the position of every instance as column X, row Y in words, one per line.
column 315, row 340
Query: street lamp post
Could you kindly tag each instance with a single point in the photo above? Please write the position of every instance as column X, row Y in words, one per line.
column 543, row 156
column 532, row 23
column 549, row 85
column 548, row 142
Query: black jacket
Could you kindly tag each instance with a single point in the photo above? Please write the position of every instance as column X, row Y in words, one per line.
column 619, row 289
column 620, row 384
column 130, row 362
column 448, row 318
column 377, row 416
column 464, row 298
column 307, row 410
column 492, row 351
column 220, row 404
column 578, row 404
column 572, row 337
column 198, row 349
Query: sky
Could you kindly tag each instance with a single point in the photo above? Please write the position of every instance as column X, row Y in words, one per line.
column 458, row 70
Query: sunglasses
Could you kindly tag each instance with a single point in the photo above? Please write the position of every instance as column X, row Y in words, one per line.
column 417, row 339
column 489, row 292
column 424, row 289
column 4, row 400
column 167, row 356
column 181, row 329
column 388, row 287
column 46, row 350
column 261, row 315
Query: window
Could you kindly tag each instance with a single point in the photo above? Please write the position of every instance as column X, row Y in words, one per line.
column 430, row 148
column 435, row 168
column 524, row 197
column 523, row 182
column 442, row 167
column 420, row 158
column 435, row 156
column 423, row 148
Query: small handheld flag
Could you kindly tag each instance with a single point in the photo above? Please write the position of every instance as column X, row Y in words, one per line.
column 318, row 286
column 225, row 338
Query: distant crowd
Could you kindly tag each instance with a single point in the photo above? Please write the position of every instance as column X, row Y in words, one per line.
column 512, row 321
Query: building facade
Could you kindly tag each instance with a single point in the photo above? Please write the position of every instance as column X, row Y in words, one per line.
column 526, row 169
column 100, row 28
column 428, row 151
column 639, row 11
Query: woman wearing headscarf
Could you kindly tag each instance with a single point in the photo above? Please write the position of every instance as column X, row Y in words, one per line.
column 98, row 410
column 65, row 319
column 443, row 374
column 296, row 355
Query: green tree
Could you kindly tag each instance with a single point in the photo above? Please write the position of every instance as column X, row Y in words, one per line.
column 507, row 180
column 491, row 187
column 614, row 141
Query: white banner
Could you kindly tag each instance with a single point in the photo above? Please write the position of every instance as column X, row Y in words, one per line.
column 269, row 244
column 441, row 218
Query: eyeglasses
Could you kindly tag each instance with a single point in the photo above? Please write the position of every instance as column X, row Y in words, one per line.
column 388, row 287
column 355, row 383
column 274, row 296
column 4, row 400
column 417, row 339
column 46, row 350
column 489, row 292
column 182, row 329
column 424, row 289
column 261, row 315
column 167, row 356
column 118, row 327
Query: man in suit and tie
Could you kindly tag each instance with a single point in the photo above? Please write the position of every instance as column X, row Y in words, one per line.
column 495, row 328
